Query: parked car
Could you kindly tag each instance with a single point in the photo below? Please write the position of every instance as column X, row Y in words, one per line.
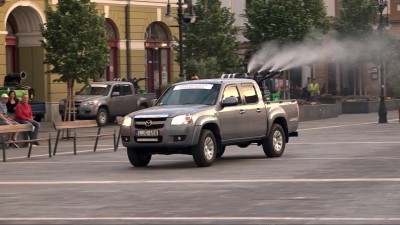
column 106, row 100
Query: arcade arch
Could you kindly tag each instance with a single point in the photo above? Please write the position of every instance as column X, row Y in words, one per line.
column 158, row 56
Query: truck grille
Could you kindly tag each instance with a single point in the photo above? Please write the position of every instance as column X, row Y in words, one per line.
column 149, row 123
column 77, row 104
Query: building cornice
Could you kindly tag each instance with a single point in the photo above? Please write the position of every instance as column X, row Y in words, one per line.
column 157, row 3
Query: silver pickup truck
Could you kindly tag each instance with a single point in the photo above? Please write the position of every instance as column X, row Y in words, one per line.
column 106, row 100
column 201, row 117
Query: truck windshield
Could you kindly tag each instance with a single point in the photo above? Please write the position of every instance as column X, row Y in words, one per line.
column 95, row 89
column 184, row 94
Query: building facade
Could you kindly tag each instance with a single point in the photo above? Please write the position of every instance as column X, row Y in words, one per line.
column 140, row 44
column 333, row 76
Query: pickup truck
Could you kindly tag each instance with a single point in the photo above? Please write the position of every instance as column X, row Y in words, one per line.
column 107, row 100
column 202, row 117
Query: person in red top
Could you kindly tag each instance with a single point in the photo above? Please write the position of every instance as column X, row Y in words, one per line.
column 23, row 114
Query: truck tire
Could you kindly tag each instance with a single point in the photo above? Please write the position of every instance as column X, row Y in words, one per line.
column 274, row 144
column 221, row 151
column 138, row 157
column 204, row 153
column 102, row 117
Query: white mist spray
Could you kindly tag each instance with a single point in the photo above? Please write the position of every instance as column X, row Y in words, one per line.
column 272, row 57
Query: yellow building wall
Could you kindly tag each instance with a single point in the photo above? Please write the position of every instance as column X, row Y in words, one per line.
column 31, row 58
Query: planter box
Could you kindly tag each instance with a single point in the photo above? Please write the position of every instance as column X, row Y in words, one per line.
column 367, row 106
column 322, row 111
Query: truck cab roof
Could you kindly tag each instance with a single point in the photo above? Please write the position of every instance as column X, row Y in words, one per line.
column 219, row 81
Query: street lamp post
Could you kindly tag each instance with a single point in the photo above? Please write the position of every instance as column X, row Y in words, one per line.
column 382, row 4
column 181, row 20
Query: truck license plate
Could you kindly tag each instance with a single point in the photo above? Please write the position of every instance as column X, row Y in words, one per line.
column 146, row 133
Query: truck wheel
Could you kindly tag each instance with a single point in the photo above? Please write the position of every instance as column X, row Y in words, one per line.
column 274, row 144
column 138, row 157
column 204, row 152
column 102, row 117
column 221, row 151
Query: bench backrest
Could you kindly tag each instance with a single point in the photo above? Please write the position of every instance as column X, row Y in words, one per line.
column 15, row 128
column 59, row 125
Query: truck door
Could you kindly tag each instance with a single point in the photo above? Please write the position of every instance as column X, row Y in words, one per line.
column 231, row 117
column 128, row 99
column 255, row 112
column 116, row 102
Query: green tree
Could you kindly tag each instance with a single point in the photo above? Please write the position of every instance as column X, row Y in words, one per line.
column 75, row 43
column 355, row 18
column 210, row 47
column 284, row 21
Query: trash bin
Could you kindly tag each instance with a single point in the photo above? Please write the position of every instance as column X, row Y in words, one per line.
column 142, row 91
column 275, row 97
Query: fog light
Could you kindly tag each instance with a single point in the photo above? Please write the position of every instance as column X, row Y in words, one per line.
column 179, row 137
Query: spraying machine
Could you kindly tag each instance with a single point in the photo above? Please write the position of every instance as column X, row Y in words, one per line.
column 260, row 77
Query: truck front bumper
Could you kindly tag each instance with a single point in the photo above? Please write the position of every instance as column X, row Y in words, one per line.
column 169, row 136
column 81, row 111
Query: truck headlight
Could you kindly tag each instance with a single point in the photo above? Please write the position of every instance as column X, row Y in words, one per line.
column 127, row 121
column 89, row 103
column 181, row 120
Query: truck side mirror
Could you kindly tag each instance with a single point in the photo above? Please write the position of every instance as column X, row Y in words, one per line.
column 230, row 101
column 116, row 93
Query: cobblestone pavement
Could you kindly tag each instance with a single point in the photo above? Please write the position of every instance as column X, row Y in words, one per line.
column 341, row 170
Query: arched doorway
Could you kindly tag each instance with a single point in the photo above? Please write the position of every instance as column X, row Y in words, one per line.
column 111, row 70
column 23, row 49
column 158, row 50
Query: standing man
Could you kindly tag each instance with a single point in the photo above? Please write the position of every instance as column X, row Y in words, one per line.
column 23, row 114
column 6, row 120
column 306, row 89
column 314, row 90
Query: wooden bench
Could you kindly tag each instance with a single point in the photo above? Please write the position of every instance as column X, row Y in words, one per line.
column 78, row 124
column 8, row 129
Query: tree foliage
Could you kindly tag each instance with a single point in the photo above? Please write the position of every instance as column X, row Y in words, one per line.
column 75, row 41
column 284, row 21
column 210, row 47
column 356, row 17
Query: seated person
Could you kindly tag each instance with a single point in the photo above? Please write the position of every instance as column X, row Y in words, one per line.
column 11, row 103
column 23, row 114
column 6, row 120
